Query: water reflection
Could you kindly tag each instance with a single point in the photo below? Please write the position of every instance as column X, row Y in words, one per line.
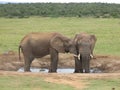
column 59, row 70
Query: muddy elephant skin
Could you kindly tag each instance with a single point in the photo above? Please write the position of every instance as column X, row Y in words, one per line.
column 37, row 45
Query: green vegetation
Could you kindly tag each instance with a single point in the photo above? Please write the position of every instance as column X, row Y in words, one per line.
column 104, row 84
column 106, row 30
column 97, row 10
column 29, row 83
column 37, row 83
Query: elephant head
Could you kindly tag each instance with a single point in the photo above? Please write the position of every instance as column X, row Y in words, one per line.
column 60, row 44
column 63, row 44
column 84, row 45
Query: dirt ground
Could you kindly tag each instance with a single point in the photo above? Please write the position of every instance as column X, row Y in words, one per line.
column 109, row 65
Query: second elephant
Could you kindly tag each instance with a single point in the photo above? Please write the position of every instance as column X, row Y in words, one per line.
column 84, row 45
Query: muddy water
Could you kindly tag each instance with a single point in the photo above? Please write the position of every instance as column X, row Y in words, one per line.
column 59, row 70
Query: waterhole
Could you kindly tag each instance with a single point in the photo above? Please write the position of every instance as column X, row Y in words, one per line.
column 59, row 70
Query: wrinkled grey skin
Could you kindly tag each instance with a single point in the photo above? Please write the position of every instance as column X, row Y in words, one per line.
column 84, row 45
column 37, row 45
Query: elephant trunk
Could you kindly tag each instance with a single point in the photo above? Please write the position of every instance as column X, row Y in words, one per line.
column 85, row 58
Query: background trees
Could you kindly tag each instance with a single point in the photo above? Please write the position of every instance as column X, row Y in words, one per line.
column 97, row 10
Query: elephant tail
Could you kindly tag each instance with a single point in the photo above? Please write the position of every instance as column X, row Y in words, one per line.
column 19, row 52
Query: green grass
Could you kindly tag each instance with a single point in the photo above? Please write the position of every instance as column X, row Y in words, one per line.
column 104, row 84
column 29, row 83
column 38, row 83
column 106, row 30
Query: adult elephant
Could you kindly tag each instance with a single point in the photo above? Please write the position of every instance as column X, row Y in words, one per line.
column 37, row 45
column 84, row 45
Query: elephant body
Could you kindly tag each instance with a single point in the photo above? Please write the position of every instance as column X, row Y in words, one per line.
column 85, row 44
column 37, row 45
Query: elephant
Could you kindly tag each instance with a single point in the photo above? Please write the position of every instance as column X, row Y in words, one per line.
column 37, row 45
column 85, row 44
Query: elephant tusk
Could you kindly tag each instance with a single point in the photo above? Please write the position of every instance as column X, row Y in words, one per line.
column 79, row 56
column 91, row 55
column 75, row 55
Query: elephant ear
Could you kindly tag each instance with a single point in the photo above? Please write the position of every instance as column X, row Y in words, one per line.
column 93, row 41
column 58, row 44
column 76, row 38
column 93, row 38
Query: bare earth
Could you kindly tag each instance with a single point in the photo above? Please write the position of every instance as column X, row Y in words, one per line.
column 110, row 66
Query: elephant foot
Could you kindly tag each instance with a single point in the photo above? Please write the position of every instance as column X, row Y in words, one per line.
column 87, row 71
column 81, row 70
column 76, row 71
column 52, row 71
column 27, row 71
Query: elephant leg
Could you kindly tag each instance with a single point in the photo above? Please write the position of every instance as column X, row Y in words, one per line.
column 87, row 70
column 87, row 67
column 54, row 60
column 28, row 62
column 81, row 68
column 77, row 65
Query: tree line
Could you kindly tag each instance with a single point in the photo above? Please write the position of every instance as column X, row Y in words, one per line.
column 97, row 10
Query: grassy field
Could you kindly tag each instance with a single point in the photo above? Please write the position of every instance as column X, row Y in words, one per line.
column 104, row 84
column 29, row 83
column 106, row 30
column 13, row 30
column 37, row 83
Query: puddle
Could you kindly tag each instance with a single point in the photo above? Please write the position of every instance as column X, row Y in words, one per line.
column 59, row 70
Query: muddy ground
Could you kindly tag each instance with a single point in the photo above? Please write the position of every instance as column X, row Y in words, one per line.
column 109, row 65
